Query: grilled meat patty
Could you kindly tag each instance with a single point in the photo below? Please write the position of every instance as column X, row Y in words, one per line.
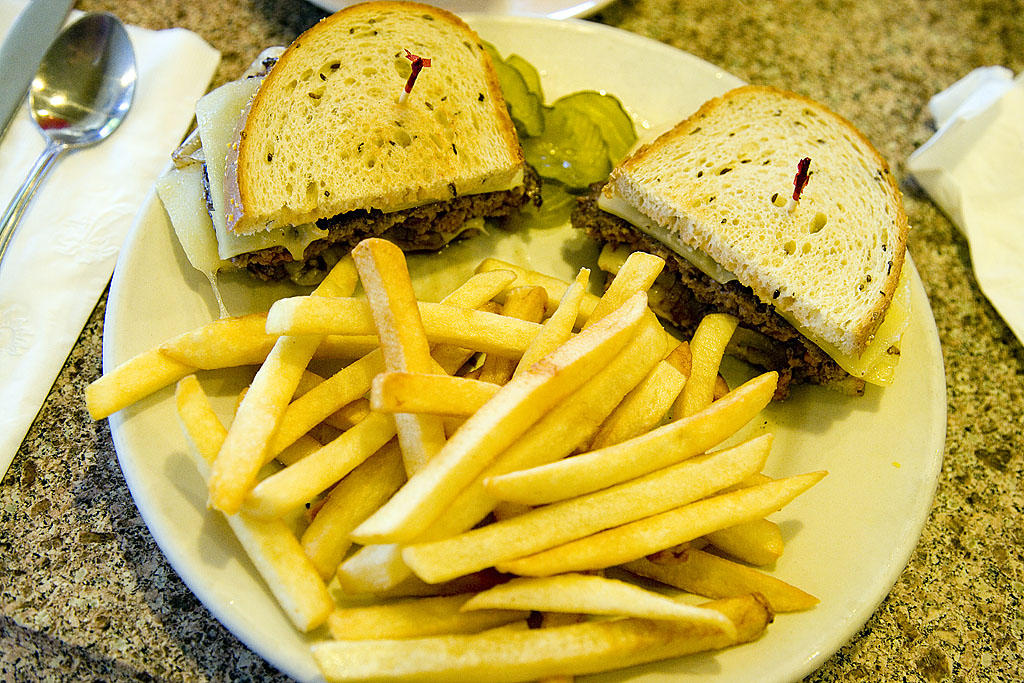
column 422, row 228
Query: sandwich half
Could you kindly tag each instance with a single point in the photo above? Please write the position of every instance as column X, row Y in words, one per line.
column 336, row 139
column 815, row 275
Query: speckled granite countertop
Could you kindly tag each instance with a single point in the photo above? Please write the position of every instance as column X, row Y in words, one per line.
column 86, row 594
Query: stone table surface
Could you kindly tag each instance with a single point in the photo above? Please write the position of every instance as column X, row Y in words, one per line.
column 86, row 595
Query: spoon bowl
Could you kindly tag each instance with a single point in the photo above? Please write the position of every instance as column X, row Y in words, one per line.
column 81, row 93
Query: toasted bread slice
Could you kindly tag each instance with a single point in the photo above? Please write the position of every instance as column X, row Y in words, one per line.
column 328, row 132
column 720, row 181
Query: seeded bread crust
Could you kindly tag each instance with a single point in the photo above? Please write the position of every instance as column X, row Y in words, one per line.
column 720, row 180
column 327, row 132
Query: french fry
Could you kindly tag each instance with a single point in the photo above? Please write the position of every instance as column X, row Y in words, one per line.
column 635, row 457
column 131, row 381
column 405, row 392
column 395, row 311
column 758, row 542
column 302, row 447
column 511, row 656
column 302, row 481
column 554, row 620
column 378, row 568
column 346, row 346
column 703, row 573
column 524, row 303
column 590, row 594
column 373, row 569
column 417, row 618
column 518, row 405
column 643, row 408
column 353, row 499
column 651, row 534
column 706, row 348
column 223, row 343
column 554, row 287
column 636, row 275
column 270, row 545
column 443, row 323
column 681, row 359
column 244, row 450
column 557, row 524
column 559, row 326
column 349, row 415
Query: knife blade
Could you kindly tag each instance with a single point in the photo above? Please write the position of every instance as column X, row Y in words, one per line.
column 26, row 43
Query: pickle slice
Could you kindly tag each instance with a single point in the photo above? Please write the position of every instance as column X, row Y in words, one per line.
column 524, row 105
column 571, row 149
column 607, row 112
column 529, row 74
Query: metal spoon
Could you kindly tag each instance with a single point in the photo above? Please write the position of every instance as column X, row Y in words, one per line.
column 81, row 93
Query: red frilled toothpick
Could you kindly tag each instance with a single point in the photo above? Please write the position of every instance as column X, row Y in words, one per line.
column 417, row 65
column 803, row 174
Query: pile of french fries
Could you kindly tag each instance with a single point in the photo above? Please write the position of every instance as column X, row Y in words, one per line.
column 531, row 482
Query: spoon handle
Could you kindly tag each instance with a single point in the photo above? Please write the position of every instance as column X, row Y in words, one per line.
column 17, row 207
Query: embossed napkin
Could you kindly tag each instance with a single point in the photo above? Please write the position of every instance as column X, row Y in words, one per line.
column 62, row 256
column 973, row 168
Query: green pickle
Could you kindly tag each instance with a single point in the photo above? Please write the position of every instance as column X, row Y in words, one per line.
column 525, row 106
column 572, row 144
column 606, row 111
column 571, row 149
column 529, row 74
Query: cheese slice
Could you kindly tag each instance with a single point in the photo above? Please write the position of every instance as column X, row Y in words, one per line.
column 618, row 206
column 217, row 116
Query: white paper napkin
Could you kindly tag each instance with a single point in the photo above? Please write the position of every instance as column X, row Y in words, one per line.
column 63, row 253
column 973, row 168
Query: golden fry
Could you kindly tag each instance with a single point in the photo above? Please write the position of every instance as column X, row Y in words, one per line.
column 636, row 275
column 651, row 534
column 589, row 594
column 132, row 381
column 524, row 303
column 396, row 317
column 706, row 348
column 702, row 573
column 510, row 656
column 758, row 541
column 404, row 392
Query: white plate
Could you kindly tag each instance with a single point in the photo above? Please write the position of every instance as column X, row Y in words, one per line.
column 553, row 9
column 848, row 538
